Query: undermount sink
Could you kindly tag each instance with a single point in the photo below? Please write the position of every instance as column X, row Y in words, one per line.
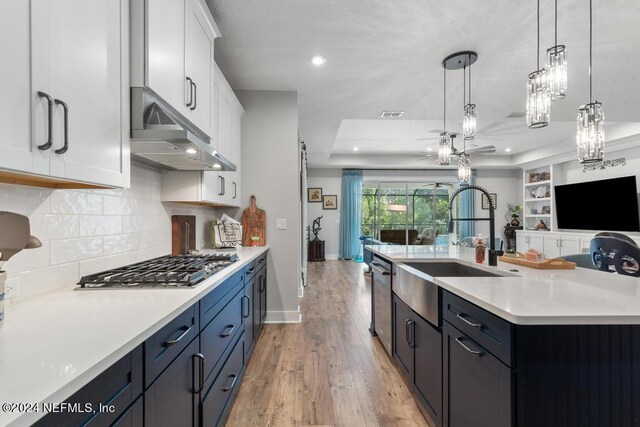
column 450, row 269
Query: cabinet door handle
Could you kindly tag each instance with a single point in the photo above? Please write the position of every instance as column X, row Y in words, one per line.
column 235, row 190
column 406, row 331
column 227, row 331
column 65, row 108
column 262, row 281
column 233, row 383
column 464, row 319
column 195, row 96
column 49, row 142
column 473, row 352
column 246, row 298
column 190, row 91
column 224, row 186
column 220, row 193
column 200, row 358
column 169, row 343
column 412, row 334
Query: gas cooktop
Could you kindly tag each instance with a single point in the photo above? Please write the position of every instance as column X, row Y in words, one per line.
column 180, row 271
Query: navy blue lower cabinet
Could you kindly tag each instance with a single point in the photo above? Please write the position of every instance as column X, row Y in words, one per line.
column 427, row 375
column 257, row 312
column 133, row 417
column 477, row 386
column 402, row 350
column 218, row 398
column 116, row 389
column 248, row 312
column 172, row 399
column 263, row 295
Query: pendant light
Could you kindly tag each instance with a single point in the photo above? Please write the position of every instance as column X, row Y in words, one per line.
column 538, row 96
column 556, row 64
column 469, row 119
column 464, row 166
column 445, row 146
column 590, row 136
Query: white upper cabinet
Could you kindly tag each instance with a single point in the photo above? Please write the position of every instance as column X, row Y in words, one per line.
column 179, row 41
column 15, row 102
column 65, row 115
column 164, row 71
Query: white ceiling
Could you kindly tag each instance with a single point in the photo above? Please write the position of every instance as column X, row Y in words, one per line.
column 386, row 55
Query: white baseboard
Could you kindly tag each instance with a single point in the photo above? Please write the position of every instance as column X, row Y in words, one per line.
column 301, row 292
column 284, row 316
column 331, row 256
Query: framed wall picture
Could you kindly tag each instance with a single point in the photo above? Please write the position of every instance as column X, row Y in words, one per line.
column 485, row 201
column 314, row 195
column 330, row 202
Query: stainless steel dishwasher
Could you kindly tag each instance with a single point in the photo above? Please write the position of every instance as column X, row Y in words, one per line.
column 381, row 277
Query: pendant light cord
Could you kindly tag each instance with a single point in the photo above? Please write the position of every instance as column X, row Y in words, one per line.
column 556, row 26
column 590, row 47
column 538, row 47
column 444, row 97
column 469, row 79
column 464, row 86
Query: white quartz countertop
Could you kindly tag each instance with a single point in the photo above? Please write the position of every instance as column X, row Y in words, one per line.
column 53, row 345
column 529, row 296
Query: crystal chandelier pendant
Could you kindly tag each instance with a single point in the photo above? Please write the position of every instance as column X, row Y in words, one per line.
column 464, row 169
column 590, row 136
column 556, row 66
column 469, row 122
column 538, row 100
column 444, row 150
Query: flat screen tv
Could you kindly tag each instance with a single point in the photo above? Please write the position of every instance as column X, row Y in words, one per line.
column 607, row 205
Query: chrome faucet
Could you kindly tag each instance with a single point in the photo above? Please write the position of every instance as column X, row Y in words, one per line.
column 493, row 254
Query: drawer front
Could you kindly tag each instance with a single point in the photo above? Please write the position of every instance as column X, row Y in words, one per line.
column 133, row 417
column 119, row 386
column 251, row 269
column 261, row 261
column 218, row 396
column 217, row 299
column 488, row 330
column 166, row 344
column 220, row 333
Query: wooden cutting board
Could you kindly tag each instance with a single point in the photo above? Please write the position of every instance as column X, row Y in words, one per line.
column 254, row 225
column 183, row 234
column 549, row 264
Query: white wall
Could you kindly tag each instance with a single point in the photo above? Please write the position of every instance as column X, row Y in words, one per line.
column 573, row 171
column 87, row 231
column 330, row 180
column 270, row 171
column 507, row 184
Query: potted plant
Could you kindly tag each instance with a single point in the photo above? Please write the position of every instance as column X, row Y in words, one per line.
column 513, row 213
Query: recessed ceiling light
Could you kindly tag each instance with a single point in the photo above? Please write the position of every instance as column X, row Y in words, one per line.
column 508, row 150
column 355, row 148
column 429, row 149
column 191, row 151
column 217, row 165
column 318, row 59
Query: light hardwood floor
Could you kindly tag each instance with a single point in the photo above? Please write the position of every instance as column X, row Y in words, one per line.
column 326, row 370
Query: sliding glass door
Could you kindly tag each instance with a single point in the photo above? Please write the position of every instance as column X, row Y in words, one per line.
column 414, row 213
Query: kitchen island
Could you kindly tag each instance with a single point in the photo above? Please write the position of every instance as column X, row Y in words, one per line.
column 519, row 347
column 54, row 345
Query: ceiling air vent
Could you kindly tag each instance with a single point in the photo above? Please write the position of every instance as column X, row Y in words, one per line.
column 391, row 113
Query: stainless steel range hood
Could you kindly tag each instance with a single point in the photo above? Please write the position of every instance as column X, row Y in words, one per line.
column 162, row 136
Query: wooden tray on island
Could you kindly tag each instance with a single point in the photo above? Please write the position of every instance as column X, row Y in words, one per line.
column 549, row 264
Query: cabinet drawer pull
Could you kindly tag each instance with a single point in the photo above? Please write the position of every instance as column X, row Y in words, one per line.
column 249, row 271
column 246, row 298
column 65, row 108
column 49, row 142
column 261, row 260
column 464, row 319
column 412, row 334
column 406, row 330
column 190, row 92
column 195, row 96
column 233, row 383
column 474, row 352
column 227, row 331
column 182, row 335
column 200, row 358
column 262, row 281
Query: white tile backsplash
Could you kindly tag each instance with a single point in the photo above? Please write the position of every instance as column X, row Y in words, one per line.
column 88, row 231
